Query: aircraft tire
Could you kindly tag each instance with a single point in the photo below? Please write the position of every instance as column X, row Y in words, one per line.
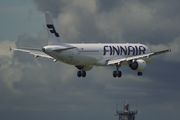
column 83, row 73
column 119, row 73
column 139, row 73
column 114, row 74
column 79, row 73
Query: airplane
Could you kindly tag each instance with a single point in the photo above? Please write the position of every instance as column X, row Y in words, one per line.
column 85, row 56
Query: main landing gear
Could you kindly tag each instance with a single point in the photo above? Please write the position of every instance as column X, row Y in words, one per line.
column 81, row 72
column 117, row 73
column 139, row 73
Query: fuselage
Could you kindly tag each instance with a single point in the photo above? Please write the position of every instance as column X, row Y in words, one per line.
column 98, row 54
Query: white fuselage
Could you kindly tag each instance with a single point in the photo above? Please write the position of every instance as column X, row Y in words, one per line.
column 97, row 54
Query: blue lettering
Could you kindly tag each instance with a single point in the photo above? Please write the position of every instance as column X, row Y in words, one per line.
column 105, row 50
column 110, row 50
column 136, row 50
column 124, row 50
column 131, row 50
column 117, row 50
column 142, row 49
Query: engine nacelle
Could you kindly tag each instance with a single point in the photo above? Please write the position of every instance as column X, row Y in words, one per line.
column 138, row 65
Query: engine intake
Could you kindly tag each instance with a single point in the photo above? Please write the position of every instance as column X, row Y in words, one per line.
column 138, row 65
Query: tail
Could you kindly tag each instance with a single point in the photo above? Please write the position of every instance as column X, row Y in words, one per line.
column 53, row 36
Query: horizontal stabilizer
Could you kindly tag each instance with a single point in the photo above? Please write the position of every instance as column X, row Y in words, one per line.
column 34, row 51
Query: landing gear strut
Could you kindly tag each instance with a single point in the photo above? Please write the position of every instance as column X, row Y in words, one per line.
column 117, row 73
column 81, row 72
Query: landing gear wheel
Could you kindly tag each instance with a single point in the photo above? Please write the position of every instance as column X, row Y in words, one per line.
column 79, row 73
column 83, row 73
column 114, row 74
column 139, row 73
column 119, row 73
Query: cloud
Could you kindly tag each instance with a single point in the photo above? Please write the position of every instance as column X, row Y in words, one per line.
column 175, row 51
column 4, row 45
column 52, row 6
column 38, row 87
column 131, row 22
column 89, row 6
column 172, row 56
column 8, row 74
column 119, row 21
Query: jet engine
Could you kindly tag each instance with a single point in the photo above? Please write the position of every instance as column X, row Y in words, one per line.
column 138, row 65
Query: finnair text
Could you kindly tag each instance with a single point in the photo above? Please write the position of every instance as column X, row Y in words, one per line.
column 124, row 50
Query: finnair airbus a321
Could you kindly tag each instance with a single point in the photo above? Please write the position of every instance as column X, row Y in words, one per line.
column 85, row 56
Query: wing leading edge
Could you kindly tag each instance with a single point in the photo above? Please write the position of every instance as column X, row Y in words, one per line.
column 119, row 60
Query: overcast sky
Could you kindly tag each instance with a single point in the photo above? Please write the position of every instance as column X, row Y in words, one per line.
column 38, row 88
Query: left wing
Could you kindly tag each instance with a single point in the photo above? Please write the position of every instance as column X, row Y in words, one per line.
column 34, row 51
column 117, row 61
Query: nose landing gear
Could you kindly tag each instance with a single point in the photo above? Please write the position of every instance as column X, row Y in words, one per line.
column 81, row 73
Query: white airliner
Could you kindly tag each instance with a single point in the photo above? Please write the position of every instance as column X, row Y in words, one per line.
column 85, row 56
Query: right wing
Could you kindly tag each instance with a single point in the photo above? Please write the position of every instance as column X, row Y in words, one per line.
column 160, row 52
column 34, row 51
column 119, row 60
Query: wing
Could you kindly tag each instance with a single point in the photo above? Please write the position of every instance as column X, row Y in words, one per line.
column 119, row 60
column 34, row 51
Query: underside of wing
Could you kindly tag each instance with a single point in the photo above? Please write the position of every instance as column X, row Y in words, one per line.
column 34, row 51
column 115, row 61
column 126, row 59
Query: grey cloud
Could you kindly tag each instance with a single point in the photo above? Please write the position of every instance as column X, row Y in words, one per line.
column 131, row 21
column 53, row 6
column 38, row 88
column 107, row 5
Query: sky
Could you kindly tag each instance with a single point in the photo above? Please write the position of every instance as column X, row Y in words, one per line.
column 38, row 88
